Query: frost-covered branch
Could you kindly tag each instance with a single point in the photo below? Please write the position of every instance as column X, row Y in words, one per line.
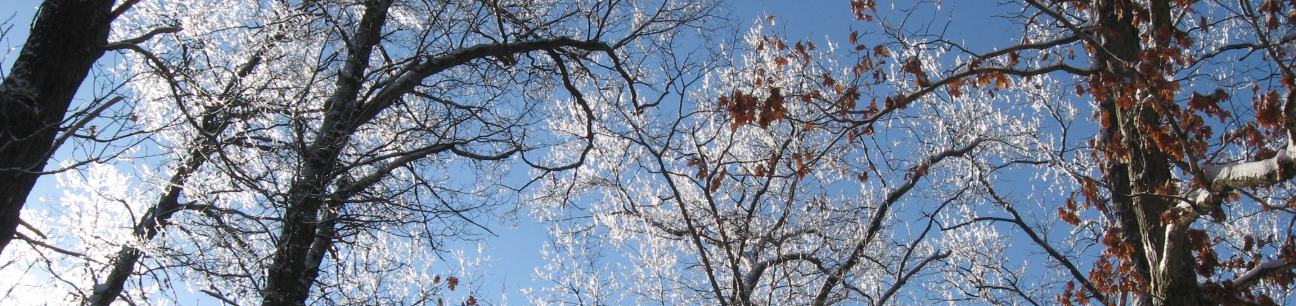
column 875, row 221
column 409, row 77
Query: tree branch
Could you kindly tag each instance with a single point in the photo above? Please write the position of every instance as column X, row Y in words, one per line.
column 417, row 71
column 124, row 44
column 875, row 224
column 905, row 279
column 1251, row 276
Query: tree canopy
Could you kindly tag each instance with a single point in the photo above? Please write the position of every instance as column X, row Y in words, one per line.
column 1061, row 152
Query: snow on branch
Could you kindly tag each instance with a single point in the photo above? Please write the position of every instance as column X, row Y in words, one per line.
column 1251, row 276
column 1252, row 173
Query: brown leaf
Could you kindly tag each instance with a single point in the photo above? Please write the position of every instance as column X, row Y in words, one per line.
column 715, row 181
column 847, row 100
column 1068, row 216
column 914, row 66
column 773, row 109
column 920, row 170
column 1268, row 112
column 1209, row 104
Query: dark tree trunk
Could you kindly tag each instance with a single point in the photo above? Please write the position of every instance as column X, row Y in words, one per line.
column 67, row 37
column 306, row 234
column 290, row 275
column 1139, row 170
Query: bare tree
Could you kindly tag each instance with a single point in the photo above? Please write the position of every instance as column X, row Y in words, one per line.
column 309, row 141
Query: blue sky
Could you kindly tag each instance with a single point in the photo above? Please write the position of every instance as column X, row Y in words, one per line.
column 515, row 251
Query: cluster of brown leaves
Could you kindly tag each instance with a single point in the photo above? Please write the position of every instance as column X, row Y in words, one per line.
column 1111, row 273
column 914, row 66
column 1113, row 270
column 799, row 164
column 746, row 109
column 1251, row 255
column 864, row 9
column 1204, row 250
column 1267, row 108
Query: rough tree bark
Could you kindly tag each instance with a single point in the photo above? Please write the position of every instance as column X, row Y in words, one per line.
column 291, row 271
column 1139, row 168
column 68, row 36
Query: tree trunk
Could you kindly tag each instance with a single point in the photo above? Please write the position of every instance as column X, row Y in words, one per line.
column 305, row 234
column 1140, row 170
column 67, row 37
column 288, row 281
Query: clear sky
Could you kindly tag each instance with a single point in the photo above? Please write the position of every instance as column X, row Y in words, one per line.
column 515, row 253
